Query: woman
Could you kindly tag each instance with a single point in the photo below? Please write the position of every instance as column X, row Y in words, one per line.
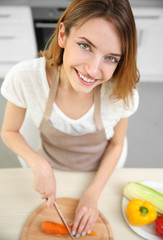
column 80, row 94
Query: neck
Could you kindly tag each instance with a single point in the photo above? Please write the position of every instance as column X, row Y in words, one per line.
column 64, row 83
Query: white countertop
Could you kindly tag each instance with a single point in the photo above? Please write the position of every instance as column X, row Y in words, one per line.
column 18, row 199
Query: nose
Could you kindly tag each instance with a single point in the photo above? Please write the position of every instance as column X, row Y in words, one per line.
column 94, row 67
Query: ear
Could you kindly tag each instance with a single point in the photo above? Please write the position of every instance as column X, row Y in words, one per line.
column 61, row 35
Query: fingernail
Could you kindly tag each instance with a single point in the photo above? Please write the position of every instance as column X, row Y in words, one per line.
column 73, row 233
column 83, row 234
column 89, row 231
column 77, row 235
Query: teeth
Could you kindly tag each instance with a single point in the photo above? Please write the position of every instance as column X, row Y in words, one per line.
column 86, row 79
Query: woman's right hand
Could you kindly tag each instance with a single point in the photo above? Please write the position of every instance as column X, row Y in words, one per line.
column 44, row 181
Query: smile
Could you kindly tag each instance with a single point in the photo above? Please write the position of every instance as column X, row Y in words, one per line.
column 84, row 79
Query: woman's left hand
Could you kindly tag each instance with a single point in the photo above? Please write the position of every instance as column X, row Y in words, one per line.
column 85, row 216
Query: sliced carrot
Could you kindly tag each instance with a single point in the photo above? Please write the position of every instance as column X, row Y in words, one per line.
column 56, row 228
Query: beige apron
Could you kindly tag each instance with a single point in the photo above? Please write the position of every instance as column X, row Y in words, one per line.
column 72, row 152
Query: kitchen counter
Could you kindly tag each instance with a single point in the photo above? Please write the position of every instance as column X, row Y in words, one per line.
column 18, row 199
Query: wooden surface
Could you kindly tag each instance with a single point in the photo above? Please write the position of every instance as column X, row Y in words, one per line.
column 18, row 198
column 32, row 228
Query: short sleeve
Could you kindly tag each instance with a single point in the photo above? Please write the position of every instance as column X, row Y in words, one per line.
column 128, row 111
column 12, row 87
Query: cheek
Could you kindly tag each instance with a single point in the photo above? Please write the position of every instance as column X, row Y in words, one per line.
column 72, row 58
column 109, row 71
column 73, row 55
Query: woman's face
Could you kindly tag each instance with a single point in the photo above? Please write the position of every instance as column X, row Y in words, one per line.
column 91, row 54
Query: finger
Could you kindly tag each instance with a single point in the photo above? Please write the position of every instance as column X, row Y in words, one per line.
column 50, row 200
column 77, row 220
column 82, row 224
column 91, row 222
column 43, row 195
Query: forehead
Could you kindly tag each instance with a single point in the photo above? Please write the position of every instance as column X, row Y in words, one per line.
column 102, row 33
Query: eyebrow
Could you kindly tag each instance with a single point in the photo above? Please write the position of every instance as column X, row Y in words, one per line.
column 90, row 43
column 116, row 54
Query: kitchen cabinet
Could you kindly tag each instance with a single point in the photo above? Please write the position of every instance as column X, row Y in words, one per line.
column 17, row 38
column 149, row 23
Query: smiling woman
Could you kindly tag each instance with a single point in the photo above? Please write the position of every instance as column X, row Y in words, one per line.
column 80, row 93
column 119, row 15
column 89, row 53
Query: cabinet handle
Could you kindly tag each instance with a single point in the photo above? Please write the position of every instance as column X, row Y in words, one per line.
column 5, row 15
column 148, row 17
column 4, row 62
column 45, row 25
column 7, row 37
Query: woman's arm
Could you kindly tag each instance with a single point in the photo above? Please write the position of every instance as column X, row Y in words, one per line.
column 43, row 174
column 110, row 158
column 87, row 210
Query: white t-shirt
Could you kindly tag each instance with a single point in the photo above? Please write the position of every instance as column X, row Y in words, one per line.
column 26, row 86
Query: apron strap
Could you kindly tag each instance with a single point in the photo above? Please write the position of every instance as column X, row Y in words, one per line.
column 97, row 102
column 52, row 94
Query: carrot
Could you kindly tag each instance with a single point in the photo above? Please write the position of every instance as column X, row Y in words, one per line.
column 56, row 228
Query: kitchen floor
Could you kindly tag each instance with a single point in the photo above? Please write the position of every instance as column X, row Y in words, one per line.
column 145, row 131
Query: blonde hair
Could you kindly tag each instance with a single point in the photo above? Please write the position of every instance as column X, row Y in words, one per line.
column 119, row 12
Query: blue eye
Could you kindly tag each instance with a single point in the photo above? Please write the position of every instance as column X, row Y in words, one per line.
column 112, row 59
column 84, row 46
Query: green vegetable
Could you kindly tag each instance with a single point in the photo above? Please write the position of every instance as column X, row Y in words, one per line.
column 137, row 190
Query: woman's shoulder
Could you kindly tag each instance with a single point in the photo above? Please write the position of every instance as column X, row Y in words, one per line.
column 27, row 73
column 31, row 65
column 26, row 81
column 117, row 106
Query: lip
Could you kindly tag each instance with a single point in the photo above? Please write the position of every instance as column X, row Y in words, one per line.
column 84, row 82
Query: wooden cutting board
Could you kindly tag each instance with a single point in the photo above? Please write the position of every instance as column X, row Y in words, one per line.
column 32, row 228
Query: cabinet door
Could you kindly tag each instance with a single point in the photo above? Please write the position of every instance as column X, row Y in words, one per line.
column 17, row 38
column 14, row 14
column 16, row 43
column 150, row 44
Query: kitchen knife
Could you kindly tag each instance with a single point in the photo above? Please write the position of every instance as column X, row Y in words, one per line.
column 63, row 220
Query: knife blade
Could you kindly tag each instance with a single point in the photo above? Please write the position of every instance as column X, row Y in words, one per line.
column 63, row 220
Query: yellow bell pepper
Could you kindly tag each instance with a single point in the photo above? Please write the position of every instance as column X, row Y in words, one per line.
column 140, row 213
